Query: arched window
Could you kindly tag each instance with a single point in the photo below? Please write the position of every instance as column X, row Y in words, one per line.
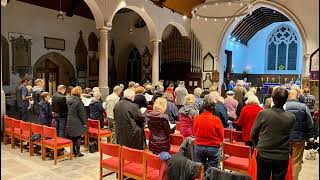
column 282, row 49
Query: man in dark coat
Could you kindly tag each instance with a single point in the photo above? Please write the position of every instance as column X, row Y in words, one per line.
column 59, row 107
column 129, row 122
column 36, row 95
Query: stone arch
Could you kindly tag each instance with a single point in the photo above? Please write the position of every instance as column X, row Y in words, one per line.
column 257, row 4
column 145, row 16
column 66, row 69
column 5, row 64
column 180, row 27
column 97, row 14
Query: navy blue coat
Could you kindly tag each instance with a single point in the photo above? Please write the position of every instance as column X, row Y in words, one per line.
column 45, row 114
column 222, row 113
column 96, row 110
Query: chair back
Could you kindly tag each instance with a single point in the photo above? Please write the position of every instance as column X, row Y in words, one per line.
column 227, row 134
column 237, row 136
column 7, row 122
column 36, row 129
column 176, row 139
column 236, row 150
column 147, row 133
column 93, row 124
column 25, row 127
column 15, row 123
column 132, row 155
column 177, row 126
column 110, row 149
column 149, row 107
column 152, row 160
column 49, row 132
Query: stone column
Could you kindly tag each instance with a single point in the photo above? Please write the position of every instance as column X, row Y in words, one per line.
column 155, row 61
column 103, row 62
column 3, row 97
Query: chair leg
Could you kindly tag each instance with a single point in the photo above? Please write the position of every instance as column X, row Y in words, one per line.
column 12, row 142
column 71, row 151
column 21, row 146
column 55, row 153
column 111, row 139
column 99, row 142
column 43, row 153
column 31, row 149
column 101, row 171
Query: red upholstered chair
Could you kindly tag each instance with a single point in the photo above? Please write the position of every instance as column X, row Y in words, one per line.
column 94, row 131
column 147, row 133
column 237, row 138
column 51, row 141
column 239, row 157
column 227, row 135
column 25, row 134
column 132, row 163
column 7, row 126
column 152, row 163
column 112, row 163
column 177, row 126
column 175, row 142
column 16, row 132
column 53, row 121
column 35, row 129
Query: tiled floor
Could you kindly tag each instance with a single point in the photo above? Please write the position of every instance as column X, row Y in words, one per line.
column 20, row 166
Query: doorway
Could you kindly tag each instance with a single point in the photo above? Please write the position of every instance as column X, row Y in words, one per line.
column 49, row 72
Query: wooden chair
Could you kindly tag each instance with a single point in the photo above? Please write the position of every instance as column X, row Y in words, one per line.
column 51, row 141
column 239, row 157
column 114, row 162
column 25, row 134
column 237, row 137
column 175, row 142
column 132, row 163
column 227, row 135
column 35, row 129
column 16, row 132
column 152, row 166
column 94, row 131
column 8, row 129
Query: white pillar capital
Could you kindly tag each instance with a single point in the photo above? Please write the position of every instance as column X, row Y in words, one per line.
column 155, row 41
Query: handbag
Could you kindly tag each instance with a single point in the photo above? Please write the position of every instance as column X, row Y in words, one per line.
column 35, row 137
column 93, row 146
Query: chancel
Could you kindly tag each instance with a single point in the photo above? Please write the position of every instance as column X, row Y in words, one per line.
column 160, row 89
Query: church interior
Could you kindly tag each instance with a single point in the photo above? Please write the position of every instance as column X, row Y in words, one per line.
column 213, row 45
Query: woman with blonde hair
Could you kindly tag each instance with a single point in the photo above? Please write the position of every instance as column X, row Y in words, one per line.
column 76, row 122
column 186, row 115
column 171, row 109
column 247, row 117
column 158, row 124
column 139, row 98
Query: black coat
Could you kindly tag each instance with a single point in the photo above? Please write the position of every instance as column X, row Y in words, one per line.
column 76, row 123
column 45, row 115
column 140, row 100
column 129, row 124
column 217, row 174
column 59, row 105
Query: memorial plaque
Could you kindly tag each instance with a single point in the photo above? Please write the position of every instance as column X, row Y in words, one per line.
column 54, row 43
column 215, row 76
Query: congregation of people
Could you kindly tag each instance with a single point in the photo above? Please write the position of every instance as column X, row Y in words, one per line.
column 277, row 126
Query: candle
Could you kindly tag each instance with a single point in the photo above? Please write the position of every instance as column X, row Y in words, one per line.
column 279, row 80
column 262, row 79
column 272, row 79
column 267, row 79
column 285, row 80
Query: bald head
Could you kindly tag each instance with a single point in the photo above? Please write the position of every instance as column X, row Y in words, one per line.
column 61, row 89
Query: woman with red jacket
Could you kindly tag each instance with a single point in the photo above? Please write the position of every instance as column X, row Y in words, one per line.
column 208, row 132
column 247, row 117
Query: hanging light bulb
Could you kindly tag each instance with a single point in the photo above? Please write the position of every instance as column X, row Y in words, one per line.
column 216, row 4
column 205, row 19
column 215, row 19
column 198, row 17
column 225, row 19
column 229, row 3
column 241, row 4
column 205, row 6
column 60, row 15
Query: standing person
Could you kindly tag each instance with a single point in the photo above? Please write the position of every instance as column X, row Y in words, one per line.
column 239, row 91
column 69, row 89
column 131, row 85
column 139, row 98
column 60, row 109
column 45, row 113
column 302, row 130
column 181, row 93
column 121, row 90
column 96, row 108
column 158, row 92
column 186, row 116
column 301, row 97
column 270, row 135
column 129, row 122
column 23, row 100
column 36, row 95
column 111, row 101
column 230, row 85
column 310, row 100
column 159, row 127
column 76, row 123
column 268, row 100
column 198, row 104
column 208, row 132
column 170, row 89
column 231, row 105
column 171, row 109
column 247, row 118
column 220, row 110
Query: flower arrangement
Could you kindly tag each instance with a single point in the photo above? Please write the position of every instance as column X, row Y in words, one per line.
column 281, row 67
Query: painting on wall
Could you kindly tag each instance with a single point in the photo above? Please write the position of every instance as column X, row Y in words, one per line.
column 207, row 82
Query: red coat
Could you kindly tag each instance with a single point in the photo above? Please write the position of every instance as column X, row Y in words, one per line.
column 208, row 130
column 246, row 120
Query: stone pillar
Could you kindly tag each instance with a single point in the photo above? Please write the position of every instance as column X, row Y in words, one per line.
column 155, row 61
column 103, row 62
column 3, row 97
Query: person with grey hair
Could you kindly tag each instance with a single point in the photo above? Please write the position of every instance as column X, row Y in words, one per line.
column 111, row 101
column 209, row 134
column 220, row 110
column 181, row 92
column 231, row 104
column 129, row 122
column 121, row 90
column 239, row 91
column 96, row 108
column 197, row 93
column 131, row 85
column 270, row 136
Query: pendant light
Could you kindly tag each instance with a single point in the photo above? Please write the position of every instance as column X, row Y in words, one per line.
column 60, row 15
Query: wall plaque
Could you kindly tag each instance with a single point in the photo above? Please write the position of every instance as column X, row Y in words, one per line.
column 215, row 76
column 208, row 63
column 54, row 43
